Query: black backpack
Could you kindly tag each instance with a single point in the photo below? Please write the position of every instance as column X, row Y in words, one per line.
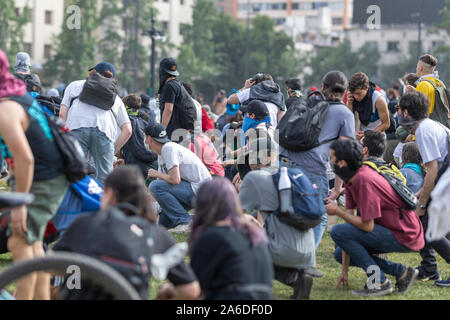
column 186, row 108
column 75, row 163
column 123, row 242
column 99, row 92
column 52, row 103
column 300, row 127
column 31, row 81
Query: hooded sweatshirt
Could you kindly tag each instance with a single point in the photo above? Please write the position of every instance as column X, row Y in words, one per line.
column 427, row 88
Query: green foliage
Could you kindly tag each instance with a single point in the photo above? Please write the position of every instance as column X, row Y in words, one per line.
column 212, row 55
column 344, row 59
column 12, row 28
column 75, row 48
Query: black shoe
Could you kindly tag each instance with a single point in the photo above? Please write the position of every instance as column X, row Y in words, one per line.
column 313, row 272
column 382, row 290
column 425, row 276
column 302, row 286
column 403, row 285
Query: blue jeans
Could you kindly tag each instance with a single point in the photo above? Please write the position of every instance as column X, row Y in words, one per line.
column 101, row 148
column 322, row 183
column 361, row 246
column 174, row 200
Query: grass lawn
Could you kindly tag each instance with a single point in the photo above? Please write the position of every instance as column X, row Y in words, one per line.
column 323, row 287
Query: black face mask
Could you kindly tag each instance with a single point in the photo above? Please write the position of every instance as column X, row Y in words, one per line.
column 163, row 76
column 345, row 173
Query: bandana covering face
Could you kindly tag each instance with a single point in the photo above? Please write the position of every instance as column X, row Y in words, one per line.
column 9, row 85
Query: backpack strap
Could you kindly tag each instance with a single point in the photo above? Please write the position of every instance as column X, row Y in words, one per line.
column 72, row 100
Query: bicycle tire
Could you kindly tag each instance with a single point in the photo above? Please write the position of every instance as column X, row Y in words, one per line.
column 91, row 269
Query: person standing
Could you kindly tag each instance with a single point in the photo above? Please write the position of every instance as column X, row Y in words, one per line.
column 37, row 167
column 432, row 139
column 294, row 91
column 96, row 128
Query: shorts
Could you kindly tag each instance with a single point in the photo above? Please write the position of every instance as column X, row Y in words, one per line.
column 48, row 196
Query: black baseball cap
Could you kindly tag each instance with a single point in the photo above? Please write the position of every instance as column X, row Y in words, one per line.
column 102, row 67
column 294, row 84
column 145, row 98
column 157, row 132
column 257, row 107
column 170, row 66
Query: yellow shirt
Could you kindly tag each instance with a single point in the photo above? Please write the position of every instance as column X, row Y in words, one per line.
column 427, row 89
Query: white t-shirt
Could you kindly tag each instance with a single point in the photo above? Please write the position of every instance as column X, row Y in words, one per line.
column 431, row 139
column 83, row 115
column 244, row 95
column 154, row 107
column 191, row 167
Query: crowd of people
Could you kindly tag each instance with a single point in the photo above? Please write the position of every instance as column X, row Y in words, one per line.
column 226, row 175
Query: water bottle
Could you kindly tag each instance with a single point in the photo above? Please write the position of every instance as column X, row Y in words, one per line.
column 284, row 188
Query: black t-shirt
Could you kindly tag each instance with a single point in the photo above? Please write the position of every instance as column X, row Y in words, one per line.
column 76, row 234
column 48, row 162
column 222, row 256
column 171, row 93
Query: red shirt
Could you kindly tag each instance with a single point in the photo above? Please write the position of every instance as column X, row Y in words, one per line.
column 377, row 200
column 204, row 149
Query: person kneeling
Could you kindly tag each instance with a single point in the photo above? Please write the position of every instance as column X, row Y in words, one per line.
column 384, row 226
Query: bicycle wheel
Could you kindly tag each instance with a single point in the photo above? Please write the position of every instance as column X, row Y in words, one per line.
column 91, row 269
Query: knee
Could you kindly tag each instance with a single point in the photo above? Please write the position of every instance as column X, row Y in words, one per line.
column 18, row 246
column 157, row 187
column 336, row 232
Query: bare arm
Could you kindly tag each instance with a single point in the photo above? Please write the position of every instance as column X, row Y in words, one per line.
column 63, row 112
column 428, row 185
column 167, row 114
column 12, row 129
column 189, row 291
column 349, row 217
column 173, row 177
column 280, row 115
column 383, row 113
column 233, row 99
column 125, row 134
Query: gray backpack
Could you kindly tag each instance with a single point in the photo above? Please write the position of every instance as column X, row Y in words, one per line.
column 99, row 91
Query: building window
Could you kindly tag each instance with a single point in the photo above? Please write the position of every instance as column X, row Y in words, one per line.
column 165, row 0
column 181, row 2
column 336, row 5
column 47, row 51
column 48, row 17
column 183, row 29
column 337, row 21
column 318, row 5
column 17, row 11
column 27, row 48
column 437, row 44
column 393, row 46
column 279, row 21
column 165, row 25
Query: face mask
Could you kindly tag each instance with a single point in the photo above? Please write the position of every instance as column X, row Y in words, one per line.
column 345, row 173
column 405, row 122
column 248, row 123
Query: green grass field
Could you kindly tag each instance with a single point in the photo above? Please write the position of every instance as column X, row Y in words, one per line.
column 323, row 288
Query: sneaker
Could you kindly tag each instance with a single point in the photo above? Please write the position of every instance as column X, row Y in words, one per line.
column 302, row 286
column 182, row 228
column 403, row 285
column 425, row 276
column 443, row 283
column 384, row 289
column 315, row 273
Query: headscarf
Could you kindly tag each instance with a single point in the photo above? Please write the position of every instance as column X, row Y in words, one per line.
column 9, row 85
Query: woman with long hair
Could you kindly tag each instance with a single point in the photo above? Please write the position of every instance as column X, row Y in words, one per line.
column 229, row 252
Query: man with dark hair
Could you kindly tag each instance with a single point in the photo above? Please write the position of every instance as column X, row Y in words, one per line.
column 369, row 102
column 178, row 109
column 432, row 141
column 374, row 144
column 382, row 227
column 145, row 104
column 293, row 88
column 220, row 102
column 179, row 176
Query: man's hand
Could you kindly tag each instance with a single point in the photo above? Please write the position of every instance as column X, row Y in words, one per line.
column 19, row 220
column 420, row 212
column 331, row 208
column 359, row 135
column 152, row 173
column 409, row 138
column 237, row 182
column 249, row 218
column 119, row 163
column 410, row 88
column 334, row 194
column 343, row 279
column 248, row 83
column 166, row 292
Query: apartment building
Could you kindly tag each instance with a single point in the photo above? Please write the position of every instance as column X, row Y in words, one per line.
column 46, row 19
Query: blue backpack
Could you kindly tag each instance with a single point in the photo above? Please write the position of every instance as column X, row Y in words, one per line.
column 306, row 200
